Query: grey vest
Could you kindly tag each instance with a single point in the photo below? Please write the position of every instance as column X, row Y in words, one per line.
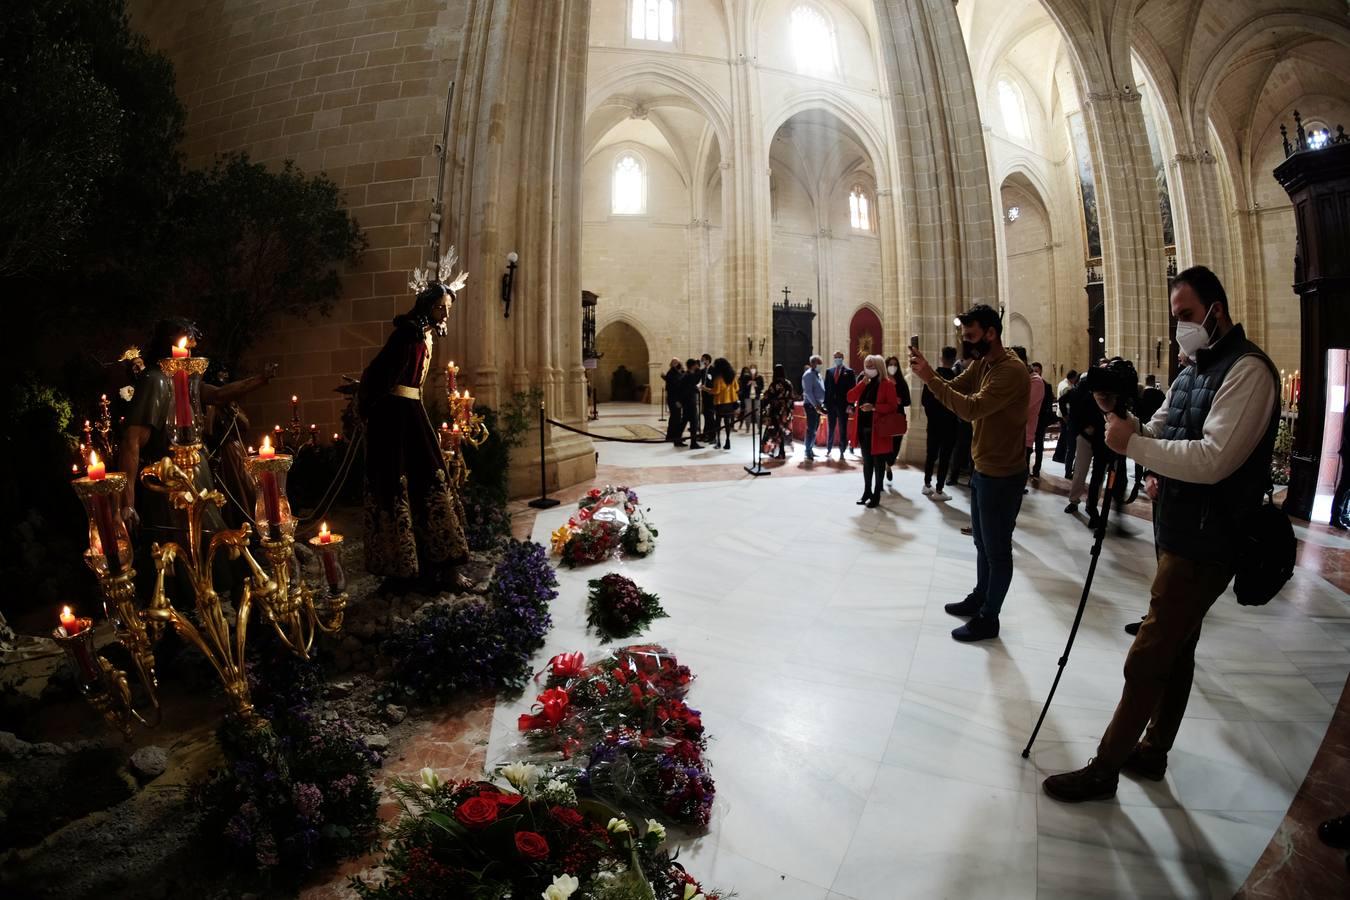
column 1205, row 522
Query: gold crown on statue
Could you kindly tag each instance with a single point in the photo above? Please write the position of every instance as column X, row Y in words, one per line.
column 129, row 354
column 420, row 279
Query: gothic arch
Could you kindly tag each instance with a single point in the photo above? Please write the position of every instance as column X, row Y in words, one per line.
column 824, row 101
column 681, row 83
column 619, row 316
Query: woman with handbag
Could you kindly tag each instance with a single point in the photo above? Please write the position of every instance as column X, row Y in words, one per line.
column 878, row 422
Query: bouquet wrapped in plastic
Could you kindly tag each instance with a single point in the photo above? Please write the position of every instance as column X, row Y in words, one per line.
column 609, row 521
column 624, row 722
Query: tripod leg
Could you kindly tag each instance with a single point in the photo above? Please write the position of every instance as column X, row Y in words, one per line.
column 1098, row 538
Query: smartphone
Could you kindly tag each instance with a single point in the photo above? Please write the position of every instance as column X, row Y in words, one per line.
column 914, row 341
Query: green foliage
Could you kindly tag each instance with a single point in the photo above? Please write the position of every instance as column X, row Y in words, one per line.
column 257, row 245
column 519, row 415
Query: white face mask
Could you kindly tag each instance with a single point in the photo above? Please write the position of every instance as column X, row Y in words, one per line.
column 871, row 372
column 892, row 369
column 838, row 362
column 1193, row 338
column 815, row 367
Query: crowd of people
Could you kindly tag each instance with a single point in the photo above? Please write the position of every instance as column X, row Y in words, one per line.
column 1201, row 452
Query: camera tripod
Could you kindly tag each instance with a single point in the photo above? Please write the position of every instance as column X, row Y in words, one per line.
column 1099, row 536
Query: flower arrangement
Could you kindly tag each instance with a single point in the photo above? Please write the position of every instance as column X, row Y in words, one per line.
column 625, row 721
column 608, row 521
column 483, row 644
column 527, row 837
column 291, row 801
column 618, row 608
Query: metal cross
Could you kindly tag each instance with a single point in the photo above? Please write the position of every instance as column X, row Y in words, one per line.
column 785, row 295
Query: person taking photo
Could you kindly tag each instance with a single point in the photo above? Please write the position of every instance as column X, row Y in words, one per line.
column 1208, row 449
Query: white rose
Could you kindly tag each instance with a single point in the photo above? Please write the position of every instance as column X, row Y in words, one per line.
column 127, row 393
column 618, row 826
column 656, row 829
column 563, row 886
column 430, row 780
column 521, row 775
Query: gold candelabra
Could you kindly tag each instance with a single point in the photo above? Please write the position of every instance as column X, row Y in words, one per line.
column 287, row 602
column 465, row 427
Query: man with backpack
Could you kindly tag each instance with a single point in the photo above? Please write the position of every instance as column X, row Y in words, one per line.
column 1208, row 450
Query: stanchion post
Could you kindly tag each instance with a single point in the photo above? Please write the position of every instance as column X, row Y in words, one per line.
column 544, row 501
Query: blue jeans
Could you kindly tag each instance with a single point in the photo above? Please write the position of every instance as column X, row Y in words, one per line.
column 812, row 423
column 994, row 505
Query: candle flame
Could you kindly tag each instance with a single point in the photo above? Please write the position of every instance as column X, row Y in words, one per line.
column 74, row 468
column 93, row 458
column 294, row 398
column 266, row 444
column 323, row 529
column 182, row 342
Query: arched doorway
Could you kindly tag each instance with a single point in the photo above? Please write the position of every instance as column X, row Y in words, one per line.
column 621, row 374
column 864, row 337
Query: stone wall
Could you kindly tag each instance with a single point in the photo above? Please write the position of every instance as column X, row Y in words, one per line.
column 353, row 88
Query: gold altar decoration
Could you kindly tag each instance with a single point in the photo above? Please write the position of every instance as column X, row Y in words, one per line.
column 465, row 427
column 293, row 609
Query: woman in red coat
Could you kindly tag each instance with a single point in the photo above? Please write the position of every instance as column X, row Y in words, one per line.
column 877, row 405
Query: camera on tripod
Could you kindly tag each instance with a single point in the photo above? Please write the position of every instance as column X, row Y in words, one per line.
column 1117, row 377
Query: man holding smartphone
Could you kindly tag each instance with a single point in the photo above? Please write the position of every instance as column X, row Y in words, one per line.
column 991, row 394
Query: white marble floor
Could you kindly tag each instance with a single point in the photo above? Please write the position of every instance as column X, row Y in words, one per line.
column 861, row 753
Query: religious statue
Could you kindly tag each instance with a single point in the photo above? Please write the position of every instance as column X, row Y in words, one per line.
column 414, row 530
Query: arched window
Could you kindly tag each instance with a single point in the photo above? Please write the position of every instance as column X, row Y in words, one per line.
column 1012, row 109
column 859, row 209
column 629, row 194
column 654, row 20
column 812, row 41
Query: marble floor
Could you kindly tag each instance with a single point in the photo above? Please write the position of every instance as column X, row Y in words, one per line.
column 861, row 753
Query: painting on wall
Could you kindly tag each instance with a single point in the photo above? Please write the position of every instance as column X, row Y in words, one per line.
column 1159, row 172
column 1087, row 184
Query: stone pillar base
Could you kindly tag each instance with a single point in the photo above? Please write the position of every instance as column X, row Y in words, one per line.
column 568, row 459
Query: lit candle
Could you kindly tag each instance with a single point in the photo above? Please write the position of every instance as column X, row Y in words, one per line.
column 336, row 437
column 69, row 622
column 97, row 470
column 271, row 493
column 325, row 537
column 455, row 436
column 182, row 399
column 451, row 372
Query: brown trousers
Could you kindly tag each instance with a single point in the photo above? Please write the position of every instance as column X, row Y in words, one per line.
column 1161, row 662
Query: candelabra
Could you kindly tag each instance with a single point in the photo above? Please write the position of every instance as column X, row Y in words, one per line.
column 286, row 601
column 465, row 427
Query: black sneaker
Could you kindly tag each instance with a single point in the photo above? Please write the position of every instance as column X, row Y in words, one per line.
column 1072, row 507
column 1146, row 763
column 695, row 446
column 1092, row 782
column 980, row 628
column 890, row 476
column 968, row 607
column 1133, row 628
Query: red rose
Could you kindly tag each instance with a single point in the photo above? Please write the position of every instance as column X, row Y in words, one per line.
column 477, row 812
column 569, row 817
column 506, row 801
column 531, row 845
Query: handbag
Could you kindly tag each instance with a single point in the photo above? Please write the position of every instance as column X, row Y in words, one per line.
column 891, row 424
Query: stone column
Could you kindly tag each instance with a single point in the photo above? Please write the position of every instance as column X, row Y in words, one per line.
column 942, row 253
column 1134, row 265
column 516, row 151
column 746, row 175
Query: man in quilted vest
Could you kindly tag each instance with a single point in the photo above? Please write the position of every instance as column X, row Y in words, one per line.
column 1207, row 450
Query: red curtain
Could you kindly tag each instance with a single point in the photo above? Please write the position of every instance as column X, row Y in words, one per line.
column 864, row 337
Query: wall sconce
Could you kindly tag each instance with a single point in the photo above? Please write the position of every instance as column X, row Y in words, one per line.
column 1157, row 354
column 508, row 281
column 749, row 344
column 762, row 342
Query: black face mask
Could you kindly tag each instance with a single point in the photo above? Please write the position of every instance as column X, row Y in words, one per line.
column 976, row 349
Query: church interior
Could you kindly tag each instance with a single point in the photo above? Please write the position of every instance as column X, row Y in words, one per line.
column 434, row 430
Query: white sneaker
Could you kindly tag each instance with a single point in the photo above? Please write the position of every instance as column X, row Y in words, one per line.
column 928, row 490
column 940, row 496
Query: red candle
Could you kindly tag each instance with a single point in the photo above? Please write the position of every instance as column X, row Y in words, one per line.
column 69, row 622
column 107, row 534
column 97, row 470
column 325, row 537
column 182, row 398
column 271, row 494
column 451, row 372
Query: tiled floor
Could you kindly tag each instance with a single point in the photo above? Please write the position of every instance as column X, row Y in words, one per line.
column 860, row 753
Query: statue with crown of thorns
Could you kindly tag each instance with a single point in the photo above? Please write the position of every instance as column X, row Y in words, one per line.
column 414, row 528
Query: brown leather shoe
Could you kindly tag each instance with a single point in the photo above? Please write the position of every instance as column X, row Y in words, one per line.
column 1092, row 782
column 1146, row 763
